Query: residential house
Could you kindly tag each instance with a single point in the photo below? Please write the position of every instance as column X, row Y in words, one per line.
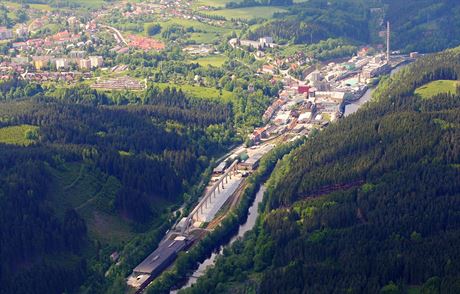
column 5, row 33
column 40, row 61
column 96, row 61
column 84, row 64
column 62, row 63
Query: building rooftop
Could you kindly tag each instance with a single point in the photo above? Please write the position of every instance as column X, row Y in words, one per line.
column 158, row 257
column 258, row 154
column 220, row 168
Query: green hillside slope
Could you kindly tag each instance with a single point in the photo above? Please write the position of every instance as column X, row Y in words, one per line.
column 424, row 25
column 416, row 25
column 81, row 178
column 369, row 205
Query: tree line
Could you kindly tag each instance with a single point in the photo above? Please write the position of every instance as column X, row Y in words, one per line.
column 155, row 155
column 398, row 229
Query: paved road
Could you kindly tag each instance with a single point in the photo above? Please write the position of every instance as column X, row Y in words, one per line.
column 117, row 32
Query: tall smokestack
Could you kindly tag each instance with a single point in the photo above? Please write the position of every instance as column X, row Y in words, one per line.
column 388, row 41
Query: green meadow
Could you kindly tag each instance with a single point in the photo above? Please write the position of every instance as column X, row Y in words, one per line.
column 437, row 87
column 213, row 60
column 206, row 33
column 214, row 3
column 18, row 135
column 248, row 12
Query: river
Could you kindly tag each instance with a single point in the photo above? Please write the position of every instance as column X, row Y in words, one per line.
column 355, row 105
column 253, row 213
column 254, row 209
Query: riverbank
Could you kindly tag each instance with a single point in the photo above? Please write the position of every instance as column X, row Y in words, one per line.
column 249, row 224
column 253, row 213
column 352, row 107
column 186, row 263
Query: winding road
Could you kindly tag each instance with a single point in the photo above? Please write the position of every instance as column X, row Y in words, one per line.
column 117, row 32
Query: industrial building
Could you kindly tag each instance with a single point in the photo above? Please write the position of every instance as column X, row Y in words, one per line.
column 220, row 169
column 157, row 261
column 162, row 257
column 254, row 158
column 250, row 164
column 211, row 207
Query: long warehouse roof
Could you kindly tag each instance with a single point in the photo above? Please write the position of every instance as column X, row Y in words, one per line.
column 164, row 251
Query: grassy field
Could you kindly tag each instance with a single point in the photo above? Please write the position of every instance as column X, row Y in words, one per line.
column 11, row 4
column 248, row 12
column 90, row 193
column 89, row 3
column 205, row 38
column 436, row 87
column 214, row 3
column 43, row 7
column 16, row 135
column 201, row 92
column 214, row 60
column 208, row 33
column 193, row 23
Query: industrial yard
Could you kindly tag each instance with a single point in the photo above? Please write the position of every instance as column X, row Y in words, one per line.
column 300, row 109
column 224, row 188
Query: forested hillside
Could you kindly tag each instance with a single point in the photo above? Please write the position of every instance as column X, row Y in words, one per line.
column 369, row 205
column 91, row 174
column 425, row 26
column 312, row 21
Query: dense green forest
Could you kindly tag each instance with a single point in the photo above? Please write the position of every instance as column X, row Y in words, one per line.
column 187, row 262
column 134, row 162
column 312, row 21
column 425, row 26
column 371, row 204
column 368, row 205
